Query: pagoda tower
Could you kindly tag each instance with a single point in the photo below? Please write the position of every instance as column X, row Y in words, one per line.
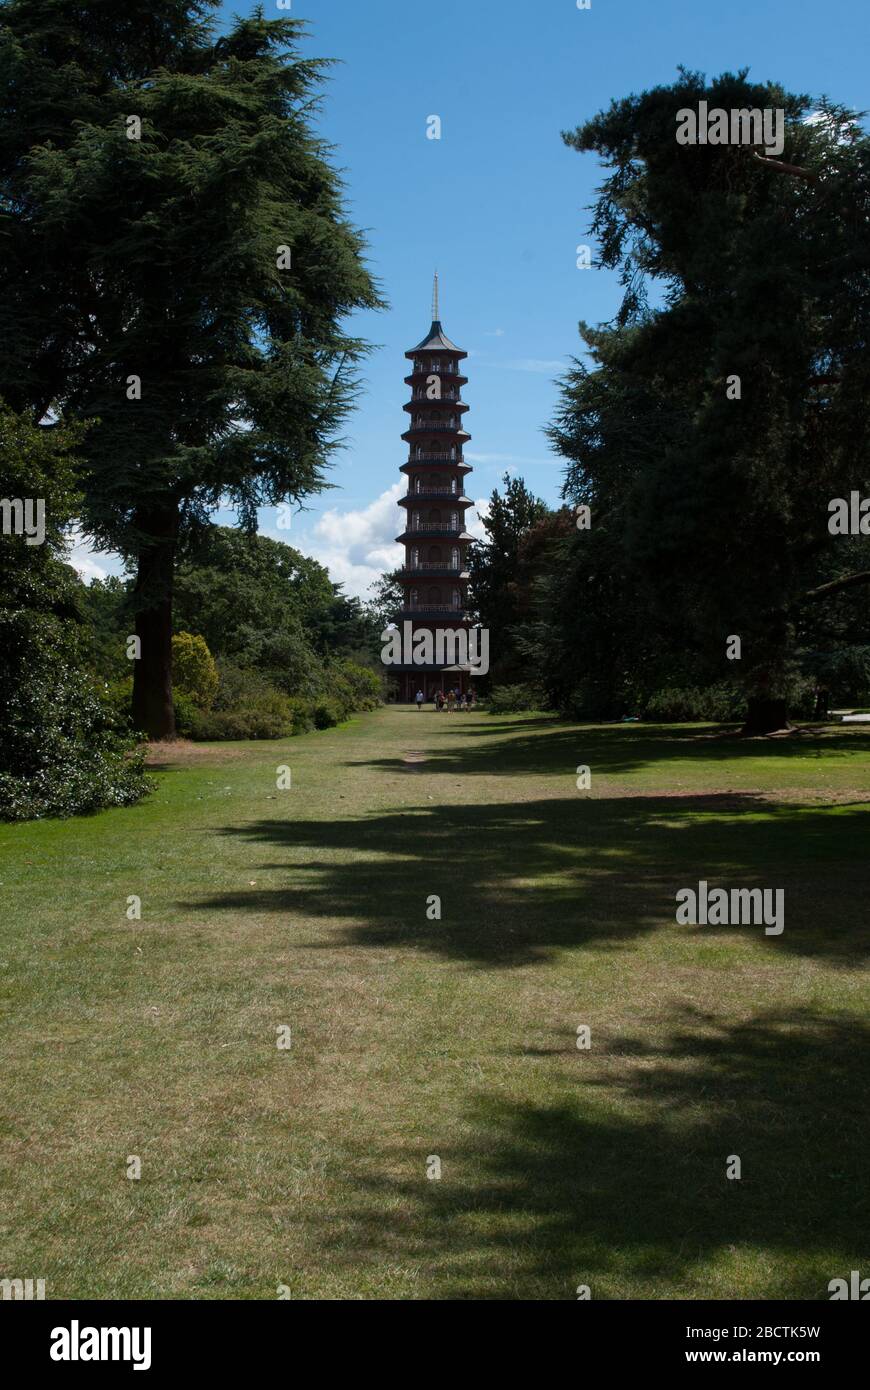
column 435, row 571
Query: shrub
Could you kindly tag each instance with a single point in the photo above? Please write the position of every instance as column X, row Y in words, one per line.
column 302, row 713
column 247, row 705
column 721, row 703
column 117, row 696
column 326, row 712
column 516, row 699
column 239, row 686
column 267, row 715
column 194, row 672
column 186, row 713
column 355, row 687
column 63, row 750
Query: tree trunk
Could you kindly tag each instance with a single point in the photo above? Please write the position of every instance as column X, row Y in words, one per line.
column 765, row 715
column 153, row 710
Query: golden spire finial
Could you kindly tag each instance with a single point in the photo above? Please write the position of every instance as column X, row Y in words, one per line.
column 435, row 298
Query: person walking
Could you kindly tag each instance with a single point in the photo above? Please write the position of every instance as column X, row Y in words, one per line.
column 451, row 701
column 419, row 698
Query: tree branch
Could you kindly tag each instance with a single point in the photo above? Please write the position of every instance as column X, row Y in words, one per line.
column 834, row 585
column 781, row 168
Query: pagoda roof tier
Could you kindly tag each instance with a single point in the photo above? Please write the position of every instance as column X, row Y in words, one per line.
column 416, row 499
column 438, row 425
column 438, row 466
column 436, row 340
column 423, row 375
column 433, row 529
column 426, row 401
column 434, row 570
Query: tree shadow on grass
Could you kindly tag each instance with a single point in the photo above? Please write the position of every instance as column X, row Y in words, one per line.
column 543, row 745
column 519, row 881
column 625, row 1188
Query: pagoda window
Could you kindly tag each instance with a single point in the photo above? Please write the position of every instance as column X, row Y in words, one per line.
column 415, row 521
column 454, row 557
column 415, row 557
column 434, row 554
column 434, row 595
column 453, row 486
column 434, row 514
column 414, row 596
column 455, row 598
column 454, row 520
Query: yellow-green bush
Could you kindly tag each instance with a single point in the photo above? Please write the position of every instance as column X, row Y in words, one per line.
column 194, row 672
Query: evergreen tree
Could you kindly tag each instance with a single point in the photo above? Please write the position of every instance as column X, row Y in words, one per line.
column 494, row 566
column 177, row 266
column 748, row 381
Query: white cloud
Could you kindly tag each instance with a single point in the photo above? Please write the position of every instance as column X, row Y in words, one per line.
column 81, row 555
column 473, row 522
column 841, row 129
column 357, row 546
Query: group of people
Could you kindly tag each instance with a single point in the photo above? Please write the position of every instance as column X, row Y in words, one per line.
column 454, row 699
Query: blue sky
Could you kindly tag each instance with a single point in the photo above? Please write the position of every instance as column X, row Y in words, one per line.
column 499, row 203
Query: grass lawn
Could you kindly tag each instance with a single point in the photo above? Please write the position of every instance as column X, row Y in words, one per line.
column 453, row 1038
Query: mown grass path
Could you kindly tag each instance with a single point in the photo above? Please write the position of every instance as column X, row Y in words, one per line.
column 415, row 1038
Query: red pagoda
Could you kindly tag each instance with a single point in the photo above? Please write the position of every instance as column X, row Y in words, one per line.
column 435, row 574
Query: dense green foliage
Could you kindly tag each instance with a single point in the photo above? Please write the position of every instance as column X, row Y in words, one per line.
column 195, row 308
column 267, row 646
column 62, row 751
column 194, row 672
column 515, row 699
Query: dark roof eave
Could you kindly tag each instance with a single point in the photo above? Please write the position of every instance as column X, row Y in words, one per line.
column 436, row 338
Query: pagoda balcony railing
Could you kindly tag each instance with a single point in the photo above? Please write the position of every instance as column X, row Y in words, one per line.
column 434, row 526
column 445, row 396
column 435, row 492
column 434, row 425
column 436, row 458
column 421, row 606
column 442, row 565
column 434, row 608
